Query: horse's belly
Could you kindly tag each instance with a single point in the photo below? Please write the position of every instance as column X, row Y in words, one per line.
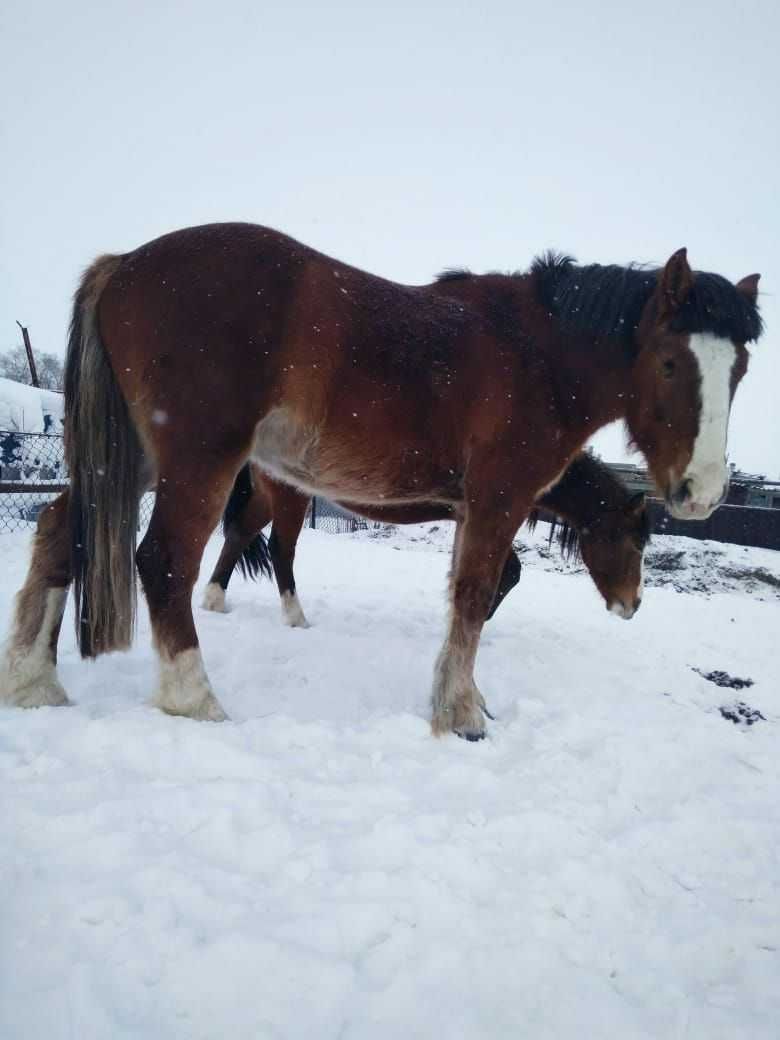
column 321, row 462
column 284, row 448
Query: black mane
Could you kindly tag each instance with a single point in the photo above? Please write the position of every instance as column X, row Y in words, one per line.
column 454, row 274
column 568, row 539
column 568, row 536
column 609, row 300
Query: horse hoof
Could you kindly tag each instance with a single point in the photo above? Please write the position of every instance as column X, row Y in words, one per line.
column 210, row 711
column 295, row 622
column 46, row 693
column 464, row 721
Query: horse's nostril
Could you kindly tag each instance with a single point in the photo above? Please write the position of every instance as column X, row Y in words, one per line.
column 637, row 603
column 683, row 492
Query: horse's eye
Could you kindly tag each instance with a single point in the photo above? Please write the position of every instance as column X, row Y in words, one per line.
column 668, row 368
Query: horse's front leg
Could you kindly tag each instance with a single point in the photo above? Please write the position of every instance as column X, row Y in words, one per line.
column 482, row 542
column 289, row 510
column 242, row 525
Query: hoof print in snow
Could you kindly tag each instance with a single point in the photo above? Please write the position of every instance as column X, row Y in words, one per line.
column 741, row 714
column 724, row 679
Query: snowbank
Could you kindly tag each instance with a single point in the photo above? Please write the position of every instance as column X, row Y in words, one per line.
column 24, row 408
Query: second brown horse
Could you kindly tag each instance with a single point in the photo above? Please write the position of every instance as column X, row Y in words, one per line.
column 603, row 522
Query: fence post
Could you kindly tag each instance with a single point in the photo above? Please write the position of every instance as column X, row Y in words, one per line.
column 30, row 358
column 314, row 511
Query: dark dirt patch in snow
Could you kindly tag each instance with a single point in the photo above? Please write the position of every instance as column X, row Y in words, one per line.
column 731, row 682
column 741, row 714
column 753, row 575
column 663, row 562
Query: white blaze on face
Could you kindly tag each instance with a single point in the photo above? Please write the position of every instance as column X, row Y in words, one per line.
column 707, row 472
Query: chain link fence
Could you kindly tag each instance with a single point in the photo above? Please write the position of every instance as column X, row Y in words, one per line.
column 325, row 516
column 33, row 473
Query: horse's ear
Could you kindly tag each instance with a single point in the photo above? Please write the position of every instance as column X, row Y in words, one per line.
column 676, row 281
column 635, row 504
column 748, row 286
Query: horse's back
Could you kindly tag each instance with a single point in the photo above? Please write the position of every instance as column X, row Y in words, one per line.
column 237, row 333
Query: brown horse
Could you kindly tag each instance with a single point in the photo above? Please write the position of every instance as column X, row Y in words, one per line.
column 603, row 523
column 217, row 344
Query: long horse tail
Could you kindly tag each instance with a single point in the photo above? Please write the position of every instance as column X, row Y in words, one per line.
column 104, row 458
column 256, row 557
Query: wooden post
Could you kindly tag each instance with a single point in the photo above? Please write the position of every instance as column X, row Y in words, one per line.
column 30, row 358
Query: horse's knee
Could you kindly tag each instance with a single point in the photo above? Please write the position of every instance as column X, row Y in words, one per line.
column 473, row 598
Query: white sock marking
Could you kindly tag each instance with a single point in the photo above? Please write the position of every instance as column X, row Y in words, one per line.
column 292, row 611
column 214, row 598
column 28, row 678
column 185, row 688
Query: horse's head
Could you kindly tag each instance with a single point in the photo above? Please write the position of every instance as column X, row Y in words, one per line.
column 612, row 548
column 691, row 356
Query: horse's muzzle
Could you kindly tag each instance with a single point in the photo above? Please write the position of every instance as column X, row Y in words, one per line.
column 624, row 610
column 683, row 504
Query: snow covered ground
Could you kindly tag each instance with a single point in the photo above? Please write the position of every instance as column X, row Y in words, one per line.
column 605, row 864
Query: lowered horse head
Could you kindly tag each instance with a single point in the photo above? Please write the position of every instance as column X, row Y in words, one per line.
column 606, row 526
column 684, row 333
column 612, row 547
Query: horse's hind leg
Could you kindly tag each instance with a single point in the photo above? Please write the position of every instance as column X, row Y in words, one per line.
column 28, row 675
column 240, row 532
column 186, row 510
column 289, row 509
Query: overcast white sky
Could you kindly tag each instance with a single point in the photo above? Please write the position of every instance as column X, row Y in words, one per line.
column 401, row 137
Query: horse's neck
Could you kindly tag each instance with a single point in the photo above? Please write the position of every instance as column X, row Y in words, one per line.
column 593, row 383
column 584, row 491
